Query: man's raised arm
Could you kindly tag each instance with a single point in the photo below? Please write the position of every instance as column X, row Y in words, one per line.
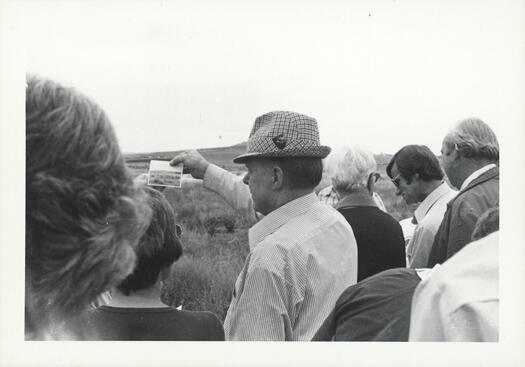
column 230, row 187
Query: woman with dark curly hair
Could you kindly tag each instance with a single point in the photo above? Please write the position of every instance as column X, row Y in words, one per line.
column 135, row 310
column 84, row 214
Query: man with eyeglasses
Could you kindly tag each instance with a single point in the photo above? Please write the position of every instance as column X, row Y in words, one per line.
column 417, row 175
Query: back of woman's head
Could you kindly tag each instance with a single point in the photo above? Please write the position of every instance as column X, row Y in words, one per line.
column 158, row 248
column 83, row 212
column 349, row 168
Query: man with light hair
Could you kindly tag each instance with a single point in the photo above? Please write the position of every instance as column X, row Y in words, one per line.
column 470, row 158
column 303, row 253
column 380, row 240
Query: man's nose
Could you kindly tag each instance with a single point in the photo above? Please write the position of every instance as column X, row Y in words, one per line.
column 246, row 178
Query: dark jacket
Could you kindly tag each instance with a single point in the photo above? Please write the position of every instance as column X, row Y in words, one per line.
column 462, row 214
column 376, row 309
column 160, row 323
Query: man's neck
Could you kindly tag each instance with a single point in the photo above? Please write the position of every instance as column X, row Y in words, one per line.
column 291, row 195
column 357, row 197
column 428, row 188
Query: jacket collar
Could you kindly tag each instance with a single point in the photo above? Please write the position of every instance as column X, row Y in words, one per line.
column 487, row 176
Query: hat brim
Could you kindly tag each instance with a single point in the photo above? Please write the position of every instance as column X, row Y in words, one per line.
column 316, row 152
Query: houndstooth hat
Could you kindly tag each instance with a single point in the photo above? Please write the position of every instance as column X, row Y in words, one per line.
column 281, row 134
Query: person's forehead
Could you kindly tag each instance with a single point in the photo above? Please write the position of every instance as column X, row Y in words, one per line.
column 255, row 163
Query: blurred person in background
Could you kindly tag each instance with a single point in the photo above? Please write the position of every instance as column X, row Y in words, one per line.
column 83, row 213
column 470, row 158
column 460, row 301
column 135, row 310
column 380, row 240
column 303, row 253
column 417, row 175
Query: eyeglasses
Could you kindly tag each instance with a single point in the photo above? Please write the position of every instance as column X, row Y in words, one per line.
column 395, row 180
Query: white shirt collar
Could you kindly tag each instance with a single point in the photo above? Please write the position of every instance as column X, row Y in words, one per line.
column 430, row 200
column 476, row 174
column 279, row 217
column 425, row 273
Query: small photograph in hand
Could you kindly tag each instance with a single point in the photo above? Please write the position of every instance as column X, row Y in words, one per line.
column 162, row 174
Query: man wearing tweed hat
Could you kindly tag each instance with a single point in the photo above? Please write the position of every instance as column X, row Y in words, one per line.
column 303, row 253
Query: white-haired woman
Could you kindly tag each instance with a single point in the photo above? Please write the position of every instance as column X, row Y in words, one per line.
column 380, row 241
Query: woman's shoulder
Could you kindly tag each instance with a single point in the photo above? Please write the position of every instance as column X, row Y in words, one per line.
column 203, row 323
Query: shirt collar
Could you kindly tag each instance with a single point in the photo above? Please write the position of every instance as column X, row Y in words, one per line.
column 280, row 216
column 356, row 199
column 476, row 174
column 430, row 200
column 327, row 192
column 424, row 273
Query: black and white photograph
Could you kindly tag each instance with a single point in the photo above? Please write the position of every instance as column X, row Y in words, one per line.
column 161, row 173
column 259, row 183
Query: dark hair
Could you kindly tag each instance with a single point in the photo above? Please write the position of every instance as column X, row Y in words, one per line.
column 487, row 223
column 83, row 212
column 159, row 248
column 301, row 172
column 412, row 159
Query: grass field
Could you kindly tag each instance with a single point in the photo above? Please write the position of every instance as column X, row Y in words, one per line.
column 215, row 238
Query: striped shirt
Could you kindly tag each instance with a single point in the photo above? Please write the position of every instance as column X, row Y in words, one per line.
column 302, row 256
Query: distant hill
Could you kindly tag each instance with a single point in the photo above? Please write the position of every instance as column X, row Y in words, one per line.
column 222, row 157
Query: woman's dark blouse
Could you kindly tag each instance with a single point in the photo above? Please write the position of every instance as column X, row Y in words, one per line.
column 166, row 323
column 379, row 237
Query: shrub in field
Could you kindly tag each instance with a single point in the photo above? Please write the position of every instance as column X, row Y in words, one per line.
column 211, row 225
column 217, row 223
column 229, row 224
column 194, row 206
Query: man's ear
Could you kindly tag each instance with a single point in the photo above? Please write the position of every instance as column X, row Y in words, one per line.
column 277, row 177
column 454, row 154
column 452, row 151
column 370, row 184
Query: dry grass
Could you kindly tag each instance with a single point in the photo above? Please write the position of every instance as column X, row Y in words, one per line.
column 203, row 278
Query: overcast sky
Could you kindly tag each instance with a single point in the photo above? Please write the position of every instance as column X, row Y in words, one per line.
column 193, row 74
